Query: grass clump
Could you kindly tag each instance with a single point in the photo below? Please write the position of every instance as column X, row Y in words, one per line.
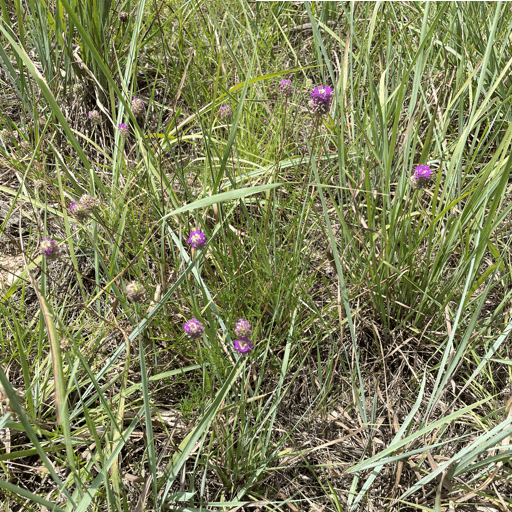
column 254, row 255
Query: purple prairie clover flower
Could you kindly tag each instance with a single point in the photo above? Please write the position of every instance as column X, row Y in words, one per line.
column 422, row 176
column 243, row 328
column 94, row 117
column 124, row 130
column 135, row 291
column 193, row 328
column 85, row 206
column 286, row 87
column 50, row 249
column 225, row 112
column 243, row 345
column 321, row 100
column 197, row 239
column 137, row 107
column 76, row 208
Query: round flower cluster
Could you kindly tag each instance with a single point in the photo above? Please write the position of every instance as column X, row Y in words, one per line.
column 225, row 112
column 193, row 328
column 94, row 117
column 422, row 177
column 50, row 249
column 6, row 137
column 78, row 90
column 137, row 107
column 197, row 239
column 286, row 87
column 243, row 344
column 243, row 328
column 85, row 206
column 321, row 100
column 135, row 291
column 124, row 130
column 123, row 16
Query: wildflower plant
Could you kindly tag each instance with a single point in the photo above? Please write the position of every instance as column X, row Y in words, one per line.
column 243, row 328
column 197, row 239
column 422, row 177
column 193, row 328
column 286, row 88
column 135, row 291
column 137, row 107
column 124, row 130
column 433, row 284
column 321, row 100
column 50, row 249
column 225, row 112
column 243, row 345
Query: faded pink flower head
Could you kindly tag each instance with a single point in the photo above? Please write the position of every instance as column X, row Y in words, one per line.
column 193, row 328
column 286, row 87
column 225, row 112
column 137, row 107
column 243, row 328
column 135, row 291
column 124, row 130
column 50, row 249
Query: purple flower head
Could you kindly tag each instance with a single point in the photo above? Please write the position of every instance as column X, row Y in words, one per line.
column 321, row 99
column 77, row 208
column 124, row 130
column 422, row 176
column 286, row 88
column 74, row 206
column 197, row 239
column 50, row 249
column 243, row 328
column 85, row 206
column 193, row 328
column 225, row 112
column 243, row 345
column 135, row 291
column 94, row 117
column 422, row 171
column 137, row 107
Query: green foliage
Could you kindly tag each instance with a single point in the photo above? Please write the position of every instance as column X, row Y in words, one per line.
column 380, row 313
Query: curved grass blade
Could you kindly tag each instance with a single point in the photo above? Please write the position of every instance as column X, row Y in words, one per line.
column 223, row 196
